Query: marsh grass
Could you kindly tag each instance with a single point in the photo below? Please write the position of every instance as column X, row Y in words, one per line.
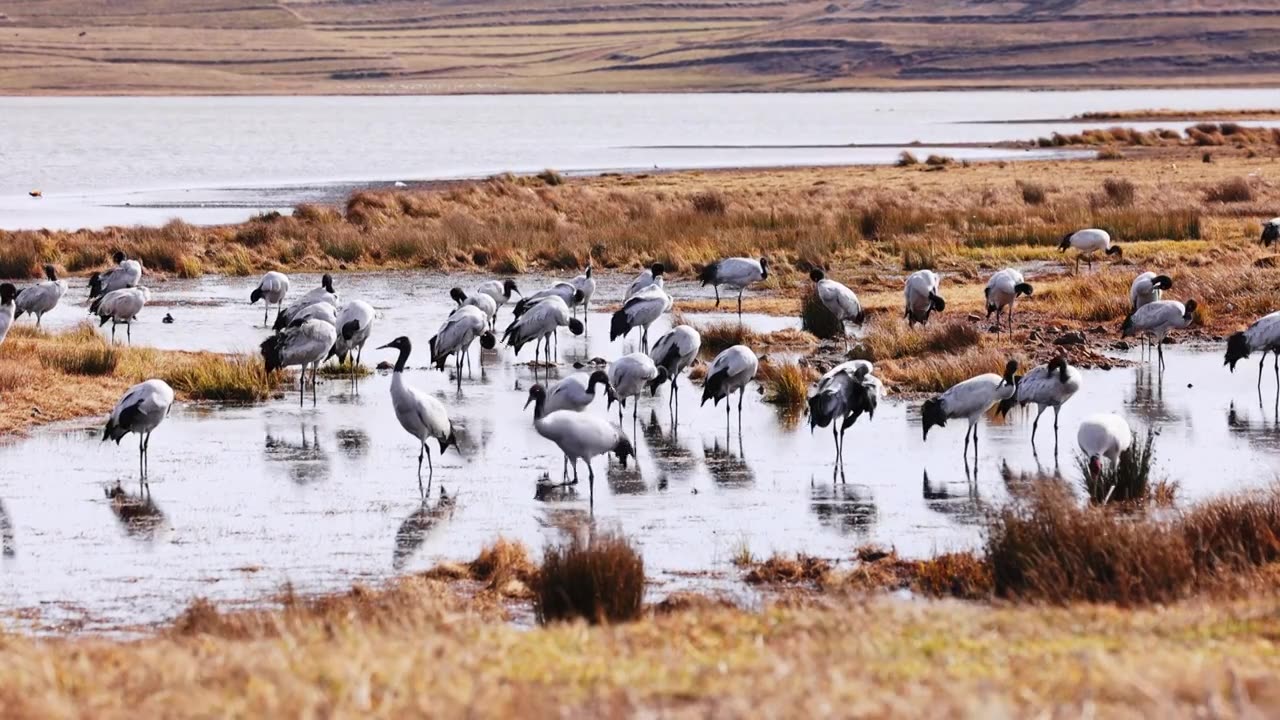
column 1049, row 548
column 816, row 319
column 789, row 570
column 236, row 378
column 80, row 352
column 347, row 369
column 937, row 373
column 786, row 383
column 600, row 580
column 888, row 338
column 1231, row 190
column 1128, row 479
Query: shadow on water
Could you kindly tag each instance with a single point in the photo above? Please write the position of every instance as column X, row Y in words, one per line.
column 674, row 460
column 847, row 509
column 628, row 480
column 964, row 506
column 1148, row 398
column 352, row 442
column 1260, row 432
column 306, row 460
column 726, row 468
column 420, row 525
column 138, row 514
column 7, row 546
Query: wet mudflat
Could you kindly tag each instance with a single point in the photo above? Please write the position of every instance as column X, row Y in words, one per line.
column 244, row 499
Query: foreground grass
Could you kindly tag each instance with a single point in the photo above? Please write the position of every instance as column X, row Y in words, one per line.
column 1196, row 635
column 47, row 377
column 379, row 653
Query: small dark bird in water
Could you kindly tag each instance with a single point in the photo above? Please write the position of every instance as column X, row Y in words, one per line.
column 168, row 319
column 36, row 193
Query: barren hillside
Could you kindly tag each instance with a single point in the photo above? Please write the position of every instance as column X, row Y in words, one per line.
column 452, row 46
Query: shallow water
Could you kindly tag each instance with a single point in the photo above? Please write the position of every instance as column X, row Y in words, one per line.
column 245, row 499
column 120, row 160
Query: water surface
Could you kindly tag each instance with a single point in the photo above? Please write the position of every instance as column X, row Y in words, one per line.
column 121, row 160
column 246, row 499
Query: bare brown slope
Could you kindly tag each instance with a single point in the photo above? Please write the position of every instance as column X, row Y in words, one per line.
column 397, row 46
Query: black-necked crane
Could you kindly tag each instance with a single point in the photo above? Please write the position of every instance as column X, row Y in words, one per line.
column 421, row 415
column 499, row 290
column 735, row 273
column 1146, row 289
column 1002, row 290
column 838, row 299
column 563, row 290
column 8, row 293
column 631, row 375
column 970, row 400
column 923, row 296
column 674, row 352
column 1087, row 243
column 126, row 274
column 141, row 410
column 585, row 284
column 456, row 335
column 730, row 371
column 1271, row 231
column 271, row 290
column 481, row 301
column 120, row 306
column 1264, row 335
column 42, row 297
column 651, row 275
column 1047, row 386
column 577, row 391
column 580, row 436
column 306, row 343
column 539, row 323
column 354, row 323
column 1103, row 437
column 640, row 311
column 324, row 294
column 1157, row 319
column 842, row 395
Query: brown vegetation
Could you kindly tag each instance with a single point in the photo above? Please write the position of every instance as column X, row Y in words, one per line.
column 78, row 373
column 600, row 579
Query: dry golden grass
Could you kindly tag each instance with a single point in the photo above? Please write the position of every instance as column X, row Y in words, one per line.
column 77, row 373
column 936, row 373
column 599, row 579
column 787, row 383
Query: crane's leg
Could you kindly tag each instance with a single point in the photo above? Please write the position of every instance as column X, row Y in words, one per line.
column 1277, row 369
column 146, row 453
column 1035, row 425
column 39, row 317
column 717, row 288
column 975, row 447
column 591, row 485
column 422, row 451
column 967, row 433
column 575, row 469
column 266, row 308
column 142, row 468
column 315, row 370
column 113, row 332
column 302, row 385
column 431, row 468
column 740, row 304
column 741, row 394
column 1261, row 360
column 1056, row 408
column 128, row 332
column 1160, row 351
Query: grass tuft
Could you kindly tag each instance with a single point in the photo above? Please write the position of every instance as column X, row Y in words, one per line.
column 786, row 384
column 1128, row 480
column 600, row 580
column 1231, row 190
column 816, row 319
column 236, row 378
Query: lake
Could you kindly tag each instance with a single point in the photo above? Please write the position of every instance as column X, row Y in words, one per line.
column 119, row 160
column 245, row 499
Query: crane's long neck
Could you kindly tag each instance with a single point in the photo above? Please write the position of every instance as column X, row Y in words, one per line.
column 400, row 362
column 539, row 408
column 1062, row 373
